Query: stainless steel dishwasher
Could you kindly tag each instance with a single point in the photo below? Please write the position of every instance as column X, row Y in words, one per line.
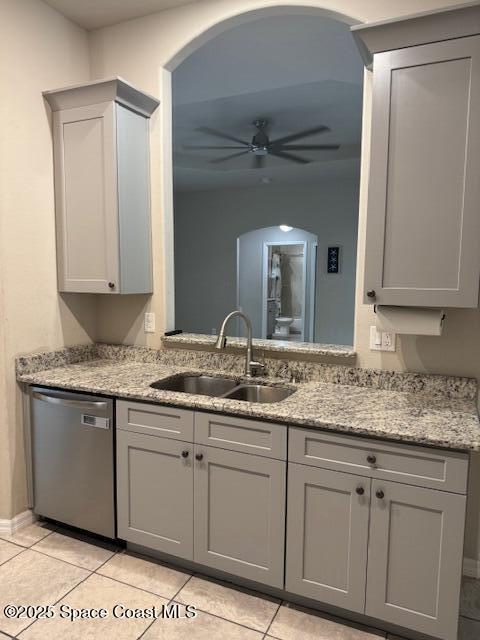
column 72, row 441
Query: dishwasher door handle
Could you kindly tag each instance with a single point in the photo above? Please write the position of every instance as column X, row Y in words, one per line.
column 66, row 402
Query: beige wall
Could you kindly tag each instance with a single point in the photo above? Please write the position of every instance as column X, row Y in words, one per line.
column 39, row 49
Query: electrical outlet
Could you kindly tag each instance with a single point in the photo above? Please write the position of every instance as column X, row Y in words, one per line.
column 381, row 340
column 388, row 341
column 149, row 323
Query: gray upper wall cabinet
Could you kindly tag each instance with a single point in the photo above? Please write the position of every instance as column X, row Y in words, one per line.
column 423, row 222
column 101, row 156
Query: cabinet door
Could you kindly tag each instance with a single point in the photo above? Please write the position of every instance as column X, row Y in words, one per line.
column 86, row 199
column 415, row 558
column 423, row 227
column 240, row 514
column 327, row 535
column 155, row 493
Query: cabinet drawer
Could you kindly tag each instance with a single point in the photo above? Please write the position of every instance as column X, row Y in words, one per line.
column 155, row 420
column 237, row 434
column 409, row 464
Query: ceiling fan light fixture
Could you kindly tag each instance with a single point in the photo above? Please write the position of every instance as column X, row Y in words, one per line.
column 285, row 228
column 260, row 151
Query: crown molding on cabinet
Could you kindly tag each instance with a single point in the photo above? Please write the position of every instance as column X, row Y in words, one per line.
column 116, row 89
column 426, row 27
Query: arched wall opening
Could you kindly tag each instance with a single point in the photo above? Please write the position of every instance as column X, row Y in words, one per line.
column 184, row 51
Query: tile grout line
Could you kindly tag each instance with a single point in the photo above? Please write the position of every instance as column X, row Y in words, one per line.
column 240, row 624
column 72, row 564
column 169, row 602
column 128, row 584
column 462, row 615
column 90, row 573
column 62, row 597
column 8, row 559
column 17, row 544
column 273, row 618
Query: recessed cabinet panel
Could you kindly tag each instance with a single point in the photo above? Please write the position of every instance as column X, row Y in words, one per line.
column 155, row 420
column 240, row 514
column 86, row 207
column 155, row 493
column 327, row 536
column 415, row 558
column 240, row 434
column 423, row 228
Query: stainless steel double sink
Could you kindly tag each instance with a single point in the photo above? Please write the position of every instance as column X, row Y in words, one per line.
column 218, row 387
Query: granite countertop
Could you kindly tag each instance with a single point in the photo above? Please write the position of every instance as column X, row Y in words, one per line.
column 284, row 347
column 415, row 417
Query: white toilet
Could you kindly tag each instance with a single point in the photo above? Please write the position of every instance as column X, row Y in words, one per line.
column 282, row 327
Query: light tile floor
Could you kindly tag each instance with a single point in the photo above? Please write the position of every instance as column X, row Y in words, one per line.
column 44, row 565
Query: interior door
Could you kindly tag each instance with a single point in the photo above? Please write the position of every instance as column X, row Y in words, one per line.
column 327, row 535
column 415, row 558
column 240, row 514
column 423, row 227
column 155, row 493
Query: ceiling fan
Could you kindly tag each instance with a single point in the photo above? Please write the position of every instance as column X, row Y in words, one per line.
column 261, row 146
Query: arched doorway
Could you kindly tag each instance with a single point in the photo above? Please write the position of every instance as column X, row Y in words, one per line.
column 276, row 281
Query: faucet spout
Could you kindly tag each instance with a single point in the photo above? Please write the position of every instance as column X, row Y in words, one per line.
column 250, row 364
column 221, row 342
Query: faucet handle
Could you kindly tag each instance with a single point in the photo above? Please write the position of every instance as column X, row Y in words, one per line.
column 256, row 368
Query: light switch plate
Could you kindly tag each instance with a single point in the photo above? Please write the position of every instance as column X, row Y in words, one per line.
column 149, row 322
column 382, row 340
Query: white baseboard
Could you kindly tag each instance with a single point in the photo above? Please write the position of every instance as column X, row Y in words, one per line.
column 471, row 567
column 22, row 520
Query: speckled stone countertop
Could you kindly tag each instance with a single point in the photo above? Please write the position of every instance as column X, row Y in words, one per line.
column 284, row 347
column 436, row 411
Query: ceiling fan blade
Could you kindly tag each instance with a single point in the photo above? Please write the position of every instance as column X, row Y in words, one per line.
column 230, row 157
column 258, row 162
column 201, row 146
column 289, row 156
column 306, row 147
column 301, row 134
column 221, row 134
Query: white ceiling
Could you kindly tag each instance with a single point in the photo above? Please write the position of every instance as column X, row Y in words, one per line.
column 93, row 14
column 298, row 72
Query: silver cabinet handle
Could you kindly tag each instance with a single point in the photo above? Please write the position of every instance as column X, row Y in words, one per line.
column 74, row 404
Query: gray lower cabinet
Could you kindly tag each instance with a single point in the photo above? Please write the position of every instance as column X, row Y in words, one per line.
column 223, row 509
column 327, row 535
column 415, row 558
column 358, row 541
column 423, row 227
column 155, row 492
column 240, row 514
column 389, row 550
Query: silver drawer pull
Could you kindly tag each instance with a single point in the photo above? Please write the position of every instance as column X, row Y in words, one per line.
column 74, row 404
